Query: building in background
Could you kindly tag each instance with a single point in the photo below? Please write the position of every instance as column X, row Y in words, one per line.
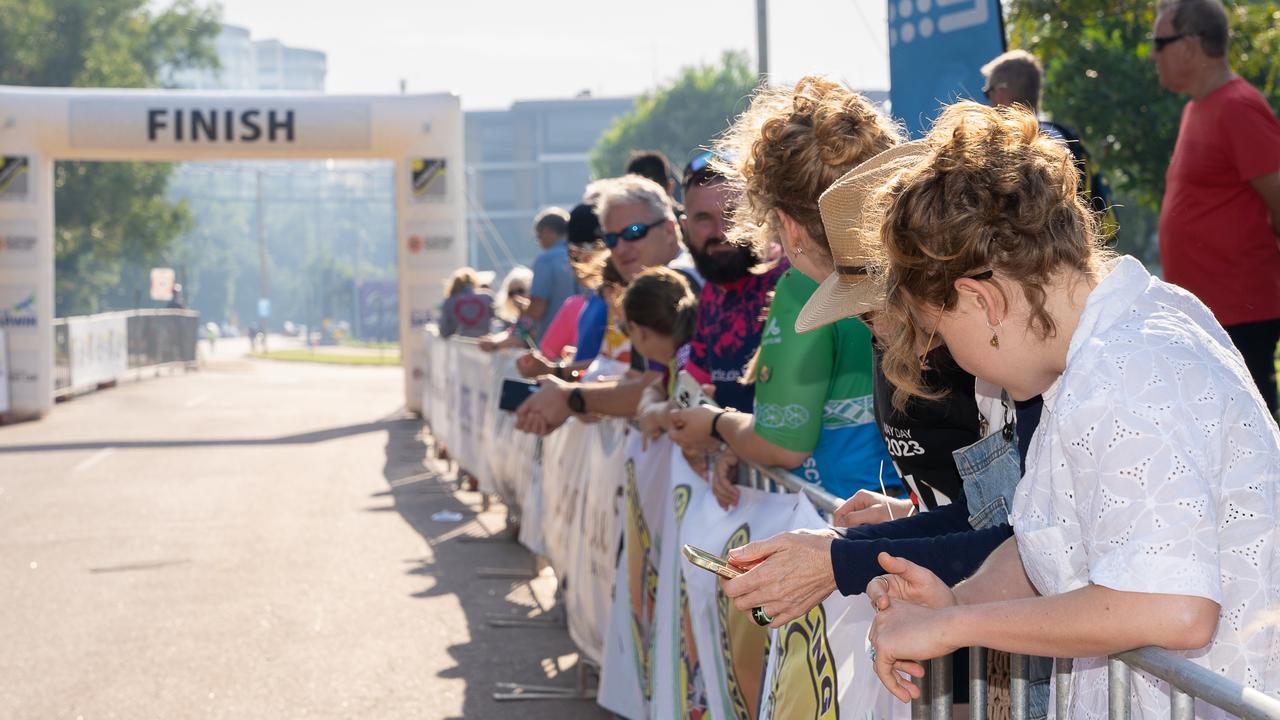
column 522, row 159
column 247, row 64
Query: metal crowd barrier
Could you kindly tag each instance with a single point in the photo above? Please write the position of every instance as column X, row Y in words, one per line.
column 152, row 338
column 1188, row 681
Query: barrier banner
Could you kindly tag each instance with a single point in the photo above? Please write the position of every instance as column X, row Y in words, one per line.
column 679, row 689
column 565, row 454
column 4, row 374
column 818, row 663
column 626, row 675
column 471, row 375
column 594, row 547
column 733, row 650
column 98, row 349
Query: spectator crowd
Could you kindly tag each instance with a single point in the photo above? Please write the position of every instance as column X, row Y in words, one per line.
column 1043, row 449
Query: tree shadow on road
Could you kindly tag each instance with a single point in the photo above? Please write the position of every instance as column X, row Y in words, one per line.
column 420, row 487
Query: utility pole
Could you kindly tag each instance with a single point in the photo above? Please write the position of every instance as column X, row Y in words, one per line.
column 263, row 297
column 762, row 40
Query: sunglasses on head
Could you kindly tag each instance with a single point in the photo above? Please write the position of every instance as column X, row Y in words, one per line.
column 630, row 233
column 699, row 167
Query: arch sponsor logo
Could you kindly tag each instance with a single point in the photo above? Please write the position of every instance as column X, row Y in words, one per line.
column 427, row 178
column 18, row 244
column 14, row 177
column 18, row 308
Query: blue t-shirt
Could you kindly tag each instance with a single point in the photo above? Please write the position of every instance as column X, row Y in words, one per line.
column 591, row 327
column 553, row 281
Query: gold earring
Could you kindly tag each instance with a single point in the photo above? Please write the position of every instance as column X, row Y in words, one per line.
column 797, row 250
column 995, row 338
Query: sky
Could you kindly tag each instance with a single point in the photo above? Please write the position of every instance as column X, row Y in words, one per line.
column 492, row 52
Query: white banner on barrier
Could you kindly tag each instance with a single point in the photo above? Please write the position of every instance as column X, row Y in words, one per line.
column 679, row 688
column 626, row 676
column 98, row 349
column 818, row 663
column 593, row 553
column 732, row 649
column 4, row 374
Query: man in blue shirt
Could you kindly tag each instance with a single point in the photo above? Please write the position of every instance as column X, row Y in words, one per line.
column 553, row 278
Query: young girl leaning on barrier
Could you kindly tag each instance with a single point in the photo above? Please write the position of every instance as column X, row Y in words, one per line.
column 1149, row 507
column 660, row 310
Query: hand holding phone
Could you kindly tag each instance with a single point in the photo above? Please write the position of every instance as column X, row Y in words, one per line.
column 515, row 392
column 711, row 563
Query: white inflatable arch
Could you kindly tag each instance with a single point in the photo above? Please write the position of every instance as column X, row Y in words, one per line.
column 422, row 134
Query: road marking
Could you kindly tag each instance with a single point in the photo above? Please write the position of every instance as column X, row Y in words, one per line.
column 94, row 459
column 193, row 402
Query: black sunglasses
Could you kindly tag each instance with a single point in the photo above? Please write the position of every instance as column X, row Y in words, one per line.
column 1163, row 41
column 630, row 233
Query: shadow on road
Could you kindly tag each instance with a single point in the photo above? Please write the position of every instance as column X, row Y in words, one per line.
column 536, row 655
column 307, row 438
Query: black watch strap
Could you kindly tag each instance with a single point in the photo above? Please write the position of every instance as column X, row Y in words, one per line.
column 577, row 402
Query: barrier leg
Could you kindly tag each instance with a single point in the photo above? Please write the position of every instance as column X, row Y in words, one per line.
column 585, row 688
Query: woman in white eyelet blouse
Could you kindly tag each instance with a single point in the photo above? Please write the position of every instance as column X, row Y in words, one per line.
column 1149, row 512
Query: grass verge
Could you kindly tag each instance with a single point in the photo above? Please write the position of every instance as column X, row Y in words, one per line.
column 328, row 358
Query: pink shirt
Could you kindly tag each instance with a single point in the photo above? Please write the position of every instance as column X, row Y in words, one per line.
column 563, row 330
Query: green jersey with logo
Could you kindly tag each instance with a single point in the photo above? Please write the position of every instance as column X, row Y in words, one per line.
column 814, row 394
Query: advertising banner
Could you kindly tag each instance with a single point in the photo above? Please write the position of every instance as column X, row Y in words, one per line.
column 936, row 51
column 4, row 375
column 99, row 349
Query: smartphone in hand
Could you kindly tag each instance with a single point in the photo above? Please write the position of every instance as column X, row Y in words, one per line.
column 515, row 392
column 711, row 563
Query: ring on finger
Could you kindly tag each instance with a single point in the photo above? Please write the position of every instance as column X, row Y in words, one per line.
column 871, row 651
column 761, row 617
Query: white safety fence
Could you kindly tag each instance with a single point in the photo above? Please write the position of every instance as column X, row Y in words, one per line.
column 610, row 515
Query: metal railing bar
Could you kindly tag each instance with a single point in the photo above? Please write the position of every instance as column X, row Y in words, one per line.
column 1117, row 689
column 1203, row 683
column 978, row 691
column 1062, row 685
column 940, row 694
column 1181, row 705
column 1019, row 686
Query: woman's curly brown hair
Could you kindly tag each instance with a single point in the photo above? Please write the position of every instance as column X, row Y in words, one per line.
column 992, row 194
column 788, row 147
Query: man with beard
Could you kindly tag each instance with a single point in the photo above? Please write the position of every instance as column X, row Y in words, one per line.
column 732, row 305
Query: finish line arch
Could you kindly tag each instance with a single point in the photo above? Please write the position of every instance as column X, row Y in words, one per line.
column 421, row 134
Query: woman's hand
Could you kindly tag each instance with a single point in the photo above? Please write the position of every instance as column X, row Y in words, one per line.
column 722, row 482
column 532, row 364
column 653, row 419
column 690, row 428
column 913, row 608
column 869, row 508
column 908, row 582
column 789, row 574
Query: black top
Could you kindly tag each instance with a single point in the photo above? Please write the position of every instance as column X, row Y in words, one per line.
column 921, row 439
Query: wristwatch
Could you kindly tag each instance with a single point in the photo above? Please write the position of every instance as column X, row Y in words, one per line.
column 576, row 402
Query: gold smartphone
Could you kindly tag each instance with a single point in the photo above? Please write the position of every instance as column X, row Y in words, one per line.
column 712, row 563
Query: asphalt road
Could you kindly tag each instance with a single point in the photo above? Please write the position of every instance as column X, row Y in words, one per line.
column 255, row 540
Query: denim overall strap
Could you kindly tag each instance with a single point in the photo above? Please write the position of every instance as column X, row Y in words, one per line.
column 991, row 469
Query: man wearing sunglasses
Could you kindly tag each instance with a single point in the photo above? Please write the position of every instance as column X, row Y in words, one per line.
column 638, row 223
column 1220, row 219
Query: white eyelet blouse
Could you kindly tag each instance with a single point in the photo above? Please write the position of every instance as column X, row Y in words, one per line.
column 1156, row 469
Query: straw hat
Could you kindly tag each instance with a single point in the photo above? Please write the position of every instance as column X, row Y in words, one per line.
column 851, row 215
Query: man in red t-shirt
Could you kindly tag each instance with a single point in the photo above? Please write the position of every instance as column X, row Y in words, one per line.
column 1220, row 220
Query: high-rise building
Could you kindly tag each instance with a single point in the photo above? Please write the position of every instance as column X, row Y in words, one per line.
column 522, row 159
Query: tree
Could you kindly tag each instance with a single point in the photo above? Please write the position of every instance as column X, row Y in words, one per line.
column 108, row 214
column 680, row 117
column 1099, row 82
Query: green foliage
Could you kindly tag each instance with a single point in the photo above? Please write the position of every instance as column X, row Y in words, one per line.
column 1099, row 81
column 680, row 117
column 109, row 215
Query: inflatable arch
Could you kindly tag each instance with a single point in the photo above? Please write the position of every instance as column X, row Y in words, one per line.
column 421, row 134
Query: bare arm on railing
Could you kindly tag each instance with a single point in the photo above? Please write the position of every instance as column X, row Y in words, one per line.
column 548, row 408
column 693, row 426
column 997, row 608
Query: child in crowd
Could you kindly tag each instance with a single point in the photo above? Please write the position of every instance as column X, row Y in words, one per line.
column 660, row 310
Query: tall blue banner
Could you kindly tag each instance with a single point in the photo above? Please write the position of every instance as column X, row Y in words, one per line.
column 936, row 50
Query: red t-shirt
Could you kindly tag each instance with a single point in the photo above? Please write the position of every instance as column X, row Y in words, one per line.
column 1216, row 238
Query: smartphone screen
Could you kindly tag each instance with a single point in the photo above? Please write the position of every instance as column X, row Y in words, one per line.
column 711, row 563
column 515, row 392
